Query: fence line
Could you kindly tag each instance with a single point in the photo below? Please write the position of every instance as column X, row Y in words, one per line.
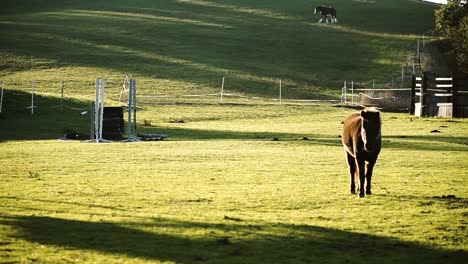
column 58, row 89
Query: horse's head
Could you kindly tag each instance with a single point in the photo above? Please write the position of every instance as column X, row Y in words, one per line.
column 370, row 129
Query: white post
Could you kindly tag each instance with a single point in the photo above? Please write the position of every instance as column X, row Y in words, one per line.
column 280, row 92
column 352, row 92
column 61, row 99
column 1, row 97
column 92, row 123
column 130, row 110
column 424, row 41
column 373, row 84
column 96, row 112
column 102, row 100
column 222, row 91
column 134, row 111
column 414, row 67
column 97, row 117
column 343, row 93
column 32, row 97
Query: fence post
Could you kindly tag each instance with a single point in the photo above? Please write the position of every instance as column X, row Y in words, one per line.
column 134, row 111
column 61, row 99
column 455, row 112
column 222, row 91
column 413, row 94
column 343, row 94
column 32, row 97
column 280, row 91
column 130, row 111
column 97, row 103
column 93, row 125
column 424, row 94
column 102, row 99
column 417, row 51
column 1, row 97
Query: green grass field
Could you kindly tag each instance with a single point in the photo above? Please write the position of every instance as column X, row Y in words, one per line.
column 220, row 190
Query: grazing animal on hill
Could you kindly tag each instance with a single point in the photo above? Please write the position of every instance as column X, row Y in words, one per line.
column 326, row 13
column 362, row 144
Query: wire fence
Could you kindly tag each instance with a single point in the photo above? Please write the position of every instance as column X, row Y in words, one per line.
column 77, row 93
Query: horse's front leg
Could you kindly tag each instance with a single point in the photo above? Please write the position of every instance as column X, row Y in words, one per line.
column 352, row 171
column 362, row 176
column 369, row 169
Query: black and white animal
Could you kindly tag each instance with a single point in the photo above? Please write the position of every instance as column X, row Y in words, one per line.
column 327, row 13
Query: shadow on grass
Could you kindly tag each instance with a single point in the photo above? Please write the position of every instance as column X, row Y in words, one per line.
column 227, row 242
column 447, row 200
column 426, row 142
column 47, row 122
column 179, row 133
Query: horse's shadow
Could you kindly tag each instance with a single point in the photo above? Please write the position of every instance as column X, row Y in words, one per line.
column 230, row 241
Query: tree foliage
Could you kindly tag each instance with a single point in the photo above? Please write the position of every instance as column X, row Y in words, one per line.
column 452, row 23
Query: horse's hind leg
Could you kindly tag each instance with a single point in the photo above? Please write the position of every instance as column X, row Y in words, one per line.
column 352, row 172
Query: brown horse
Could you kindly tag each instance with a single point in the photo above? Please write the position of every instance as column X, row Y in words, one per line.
column 362, row 143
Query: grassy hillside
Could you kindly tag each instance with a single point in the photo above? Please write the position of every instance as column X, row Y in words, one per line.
column 221, row 189
column 182, row 46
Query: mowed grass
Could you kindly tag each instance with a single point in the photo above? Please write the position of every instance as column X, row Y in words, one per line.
column 222, row 191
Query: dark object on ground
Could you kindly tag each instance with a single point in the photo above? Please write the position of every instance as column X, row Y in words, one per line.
column 152, row 137
column 113, row 123
column 177, row 121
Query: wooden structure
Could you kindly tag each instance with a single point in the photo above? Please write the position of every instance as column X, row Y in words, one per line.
column 439, row 96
